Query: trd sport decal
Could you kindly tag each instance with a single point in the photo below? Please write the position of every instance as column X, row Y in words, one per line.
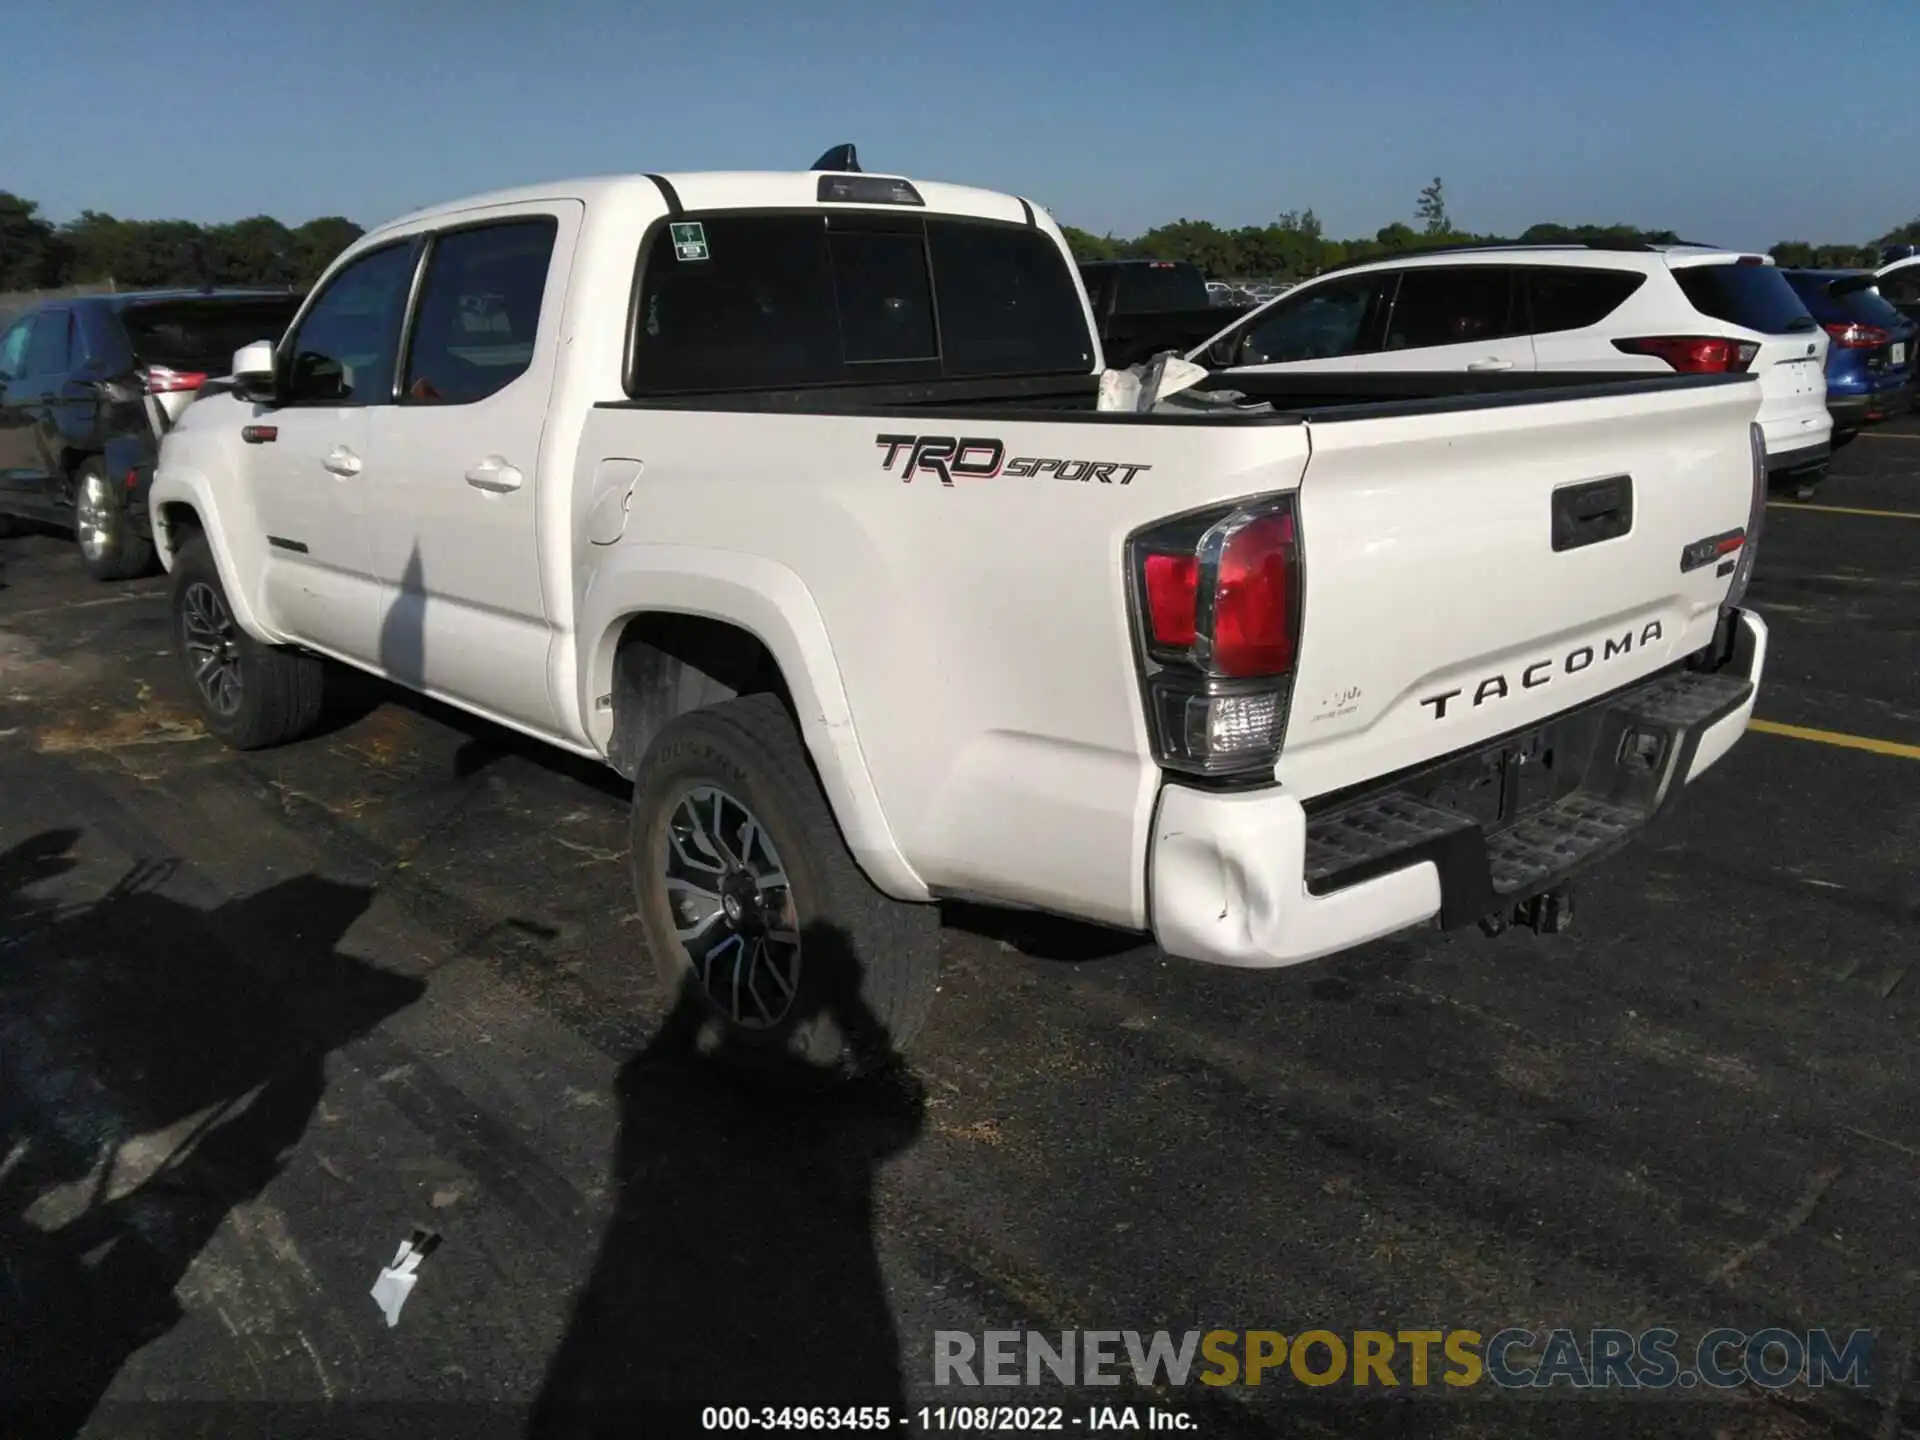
column 951, row 457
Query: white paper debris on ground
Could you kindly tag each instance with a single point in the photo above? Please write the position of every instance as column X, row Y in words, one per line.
column 396, row 1282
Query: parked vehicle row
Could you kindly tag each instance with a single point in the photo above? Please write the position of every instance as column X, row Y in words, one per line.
column 1542, row 309
column 88, row 388
column 1870, row 352
column 790, row 498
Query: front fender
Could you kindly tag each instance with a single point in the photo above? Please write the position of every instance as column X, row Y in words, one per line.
column 178, row 484
column 772, row 603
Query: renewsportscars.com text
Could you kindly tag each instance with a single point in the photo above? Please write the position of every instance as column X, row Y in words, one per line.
column 1512, row 1359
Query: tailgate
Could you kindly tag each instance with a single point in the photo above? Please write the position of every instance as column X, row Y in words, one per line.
column 1471, row 572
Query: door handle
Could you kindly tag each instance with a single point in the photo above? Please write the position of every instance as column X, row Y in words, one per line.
column 1491, row 365
column 494, row 475
column 341, row 461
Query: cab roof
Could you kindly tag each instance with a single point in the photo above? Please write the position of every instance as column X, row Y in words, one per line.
column 705, row 190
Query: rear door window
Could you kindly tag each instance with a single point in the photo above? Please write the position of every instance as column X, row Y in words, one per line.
column 1570, row 299
column 787, row 301
column 479, row 311
column 202, row 335
column 1754, row 297
column 1454, row 305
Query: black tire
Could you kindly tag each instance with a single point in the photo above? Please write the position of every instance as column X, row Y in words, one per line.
column 10, row 527
column 867, row 963
column 276, row 693
column 103, row 530
column 1843, row 438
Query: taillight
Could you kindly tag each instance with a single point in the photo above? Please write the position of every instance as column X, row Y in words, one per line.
column 1217, row 611
column 1854, row 336
column 1756, row 513
column 1695, row 354
column 1173, row 597
column 162, row 380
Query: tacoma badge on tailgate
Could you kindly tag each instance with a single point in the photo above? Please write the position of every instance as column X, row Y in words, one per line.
column 1540, row 672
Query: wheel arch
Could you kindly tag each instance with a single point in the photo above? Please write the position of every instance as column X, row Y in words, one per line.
column 180, row 503
column 668, row 629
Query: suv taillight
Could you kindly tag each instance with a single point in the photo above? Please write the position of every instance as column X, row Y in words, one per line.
column 1217, row 618
column 1854, row 336
column 162, row 380
column 1695, row 354
column 1756, row 513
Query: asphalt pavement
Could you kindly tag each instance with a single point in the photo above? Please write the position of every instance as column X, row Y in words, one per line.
column 263, row 1017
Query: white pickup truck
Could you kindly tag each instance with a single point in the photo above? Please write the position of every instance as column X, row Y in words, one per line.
column 789, row 496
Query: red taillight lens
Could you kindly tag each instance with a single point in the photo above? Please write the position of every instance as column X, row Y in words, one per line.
column 1253, row 599
column 1855, row 336
column 1173, row 597
column 161, row 380
column 1218, row 599
column 1695, row 354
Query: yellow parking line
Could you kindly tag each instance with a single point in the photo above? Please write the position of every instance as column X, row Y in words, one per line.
column 1877, row 435
column 1835, row 737
column 1844, row 510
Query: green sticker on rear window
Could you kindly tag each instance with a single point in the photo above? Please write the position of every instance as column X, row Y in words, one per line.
column 690, row 241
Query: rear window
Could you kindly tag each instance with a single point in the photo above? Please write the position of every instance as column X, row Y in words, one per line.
column 1867, row 306
column 778, row 301
column 203, row 334
column 1156, row 288
column 1756, row 297
column 1574, row 299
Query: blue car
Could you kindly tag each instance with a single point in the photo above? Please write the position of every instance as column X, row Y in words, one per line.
column 1870, row 360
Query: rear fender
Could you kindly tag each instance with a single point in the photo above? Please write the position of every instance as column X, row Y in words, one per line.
column 773, row 604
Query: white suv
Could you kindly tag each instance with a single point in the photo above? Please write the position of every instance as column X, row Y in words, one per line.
column 1565, row 308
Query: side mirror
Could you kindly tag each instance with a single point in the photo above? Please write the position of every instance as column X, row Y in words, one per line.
column 253, row 370
column 1225, row 352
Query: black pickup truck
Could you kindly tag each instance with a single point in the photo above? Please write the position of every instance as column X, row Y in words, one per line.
column 1145, row 307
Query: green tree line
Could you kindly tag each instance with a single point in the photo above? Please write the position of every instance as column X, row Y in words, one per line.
column 97, row 247
column 1295, row 246
column 138, row 254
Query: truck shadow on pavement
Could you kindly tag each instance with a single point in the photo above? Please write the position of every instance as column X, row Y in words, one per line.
column 158, row 1062
column 739, row 1267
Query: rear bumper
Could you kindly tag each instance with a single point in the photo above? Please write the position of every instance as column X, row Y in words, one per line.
column 1851, row 410
column 1801, row 456
column 1254, row 880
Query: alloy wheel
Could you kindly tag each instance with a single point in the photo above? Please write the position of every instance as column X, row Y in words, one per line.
column 212, row 644
column 94, row 516
column 733, row 907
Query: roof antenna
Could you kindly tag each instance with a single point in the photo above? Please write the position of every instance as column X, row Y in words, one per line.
column 840, row 159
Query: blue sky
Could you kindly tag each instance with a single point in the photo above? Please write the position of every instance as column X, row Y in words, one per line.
column 1737, row 123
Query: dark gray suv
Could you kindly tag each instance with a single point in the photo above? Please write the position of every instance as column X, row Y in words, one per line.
column 88, row 386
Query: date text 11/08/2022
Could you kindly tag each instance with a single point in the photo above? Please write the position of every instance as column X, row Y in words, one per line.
column 979, row 1419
